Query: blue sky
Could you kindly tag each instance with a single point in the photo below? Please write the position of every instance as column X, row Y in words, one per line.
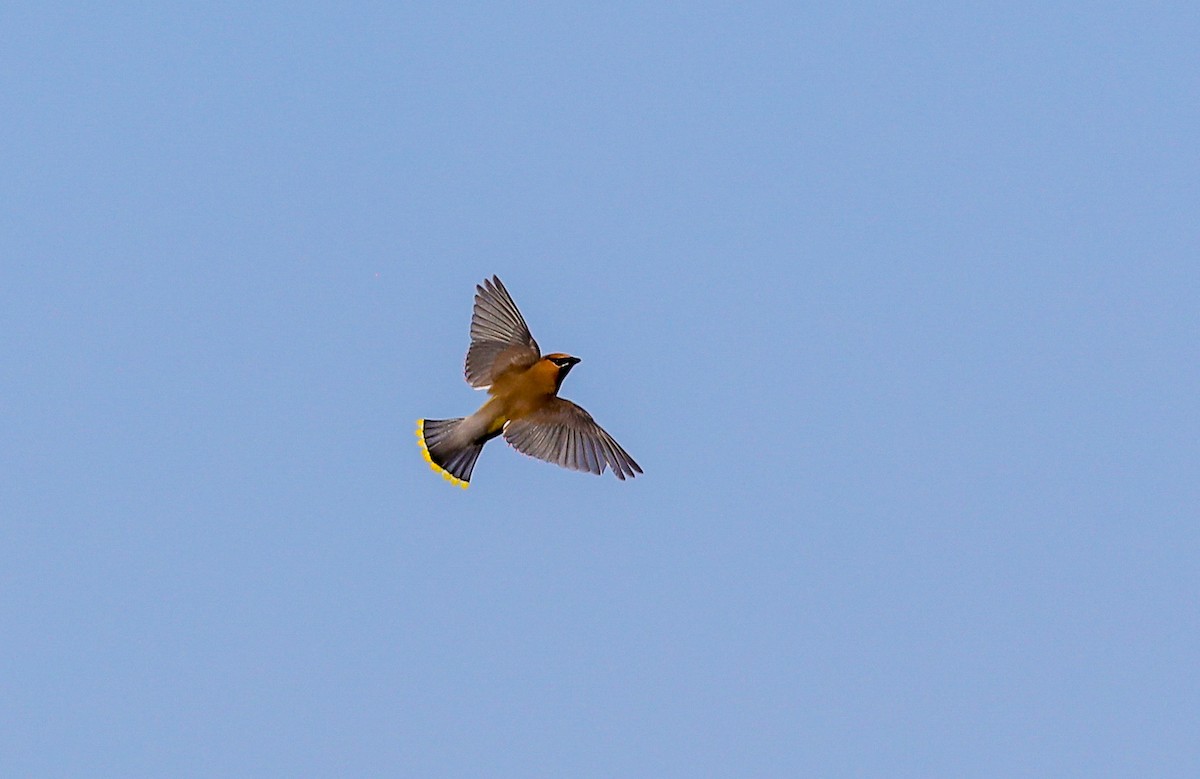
column 895, row 305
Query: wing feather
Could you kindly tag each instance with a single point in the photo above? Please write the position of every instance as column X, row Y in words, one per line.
column 500, row 339
column 564, row 434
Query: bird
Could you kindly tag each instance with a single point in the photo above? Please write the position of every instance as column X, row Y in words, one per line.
column 523, row 406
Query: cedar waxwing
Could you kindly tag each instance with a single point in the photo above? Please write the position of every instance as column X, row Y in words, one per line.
column 524, row 405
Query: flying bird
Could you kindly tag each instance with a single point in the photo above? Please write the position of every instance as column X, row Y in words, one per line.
column 524, row 405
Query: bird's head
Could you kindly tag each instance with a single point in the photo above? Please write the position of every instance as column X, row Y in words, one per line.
column 564, row 363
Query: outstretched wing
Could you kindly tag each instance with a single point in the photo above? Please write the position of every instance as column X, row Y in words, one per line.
column 564, row 434
column 500, row 339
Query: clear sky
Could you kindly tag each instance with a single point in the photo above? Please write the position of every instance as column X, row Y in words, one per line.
column 896, row 305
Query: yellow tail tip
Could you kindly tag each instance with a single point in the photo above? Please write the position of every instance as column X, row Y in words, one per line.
column 436, row 468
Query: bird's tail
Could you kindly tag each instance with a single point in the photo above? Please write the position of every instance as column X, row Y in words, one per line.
column 449, row 449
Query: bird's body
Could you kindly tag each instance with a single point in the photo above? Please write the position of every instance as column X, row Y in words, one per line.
column 524, row 405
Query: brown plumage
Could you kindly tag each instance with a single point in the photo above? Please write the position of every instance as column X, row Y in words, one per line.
column 524, row 405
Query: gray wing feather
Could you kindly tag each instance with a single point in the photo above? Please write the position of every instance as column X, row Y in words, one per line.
column 566, row 435
column 500, row 339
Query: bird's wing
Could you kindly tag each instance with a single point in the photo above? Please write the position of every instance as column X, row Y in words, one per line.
column 500, row 339
column 564, row 434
